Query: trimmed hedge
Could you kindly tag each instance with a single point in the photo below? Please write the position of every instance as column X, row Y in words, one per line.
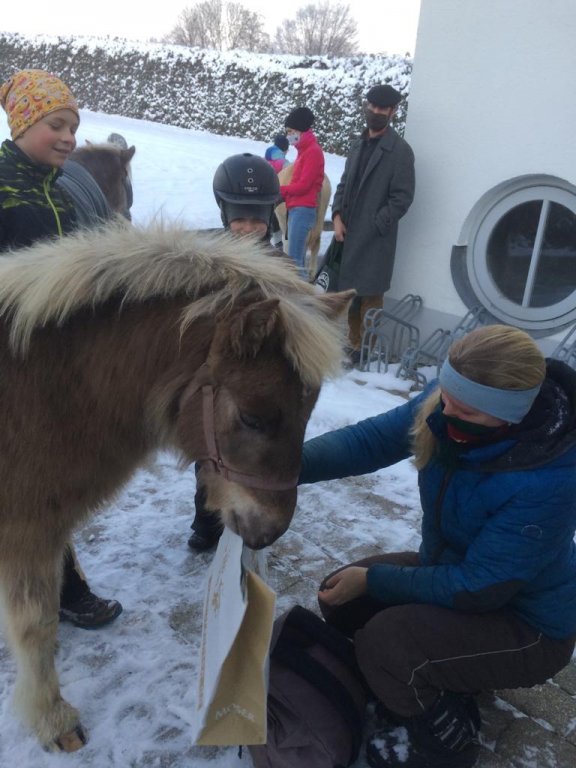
column 233, row 93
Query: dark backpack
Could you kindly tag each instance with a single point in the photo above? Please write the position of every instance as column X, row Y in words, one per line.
column 316, row 697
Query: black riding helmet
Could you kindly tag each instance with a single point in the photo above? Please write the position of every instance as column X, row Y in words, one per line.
column 246, row 186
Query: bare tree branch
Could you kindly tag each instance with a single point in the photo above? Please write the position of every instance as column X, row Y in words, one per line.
column 219, row 25
column 322, row 28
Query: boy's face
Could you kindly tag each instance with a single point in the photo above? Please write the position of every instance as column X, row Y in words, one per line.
column 51, row 140
column 248, row 226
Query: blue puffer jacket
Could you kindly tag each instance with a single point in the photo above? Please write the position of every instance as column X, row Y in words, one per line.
column 498, row 523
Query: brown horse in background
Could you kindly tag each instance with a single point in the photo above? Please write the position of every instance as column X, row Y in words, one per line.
column 118, row 342
column 313, row 240
column 109, row 165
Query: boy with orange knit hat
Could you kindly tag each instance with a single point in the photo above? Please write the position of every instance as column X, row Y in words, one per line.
column 43, row 119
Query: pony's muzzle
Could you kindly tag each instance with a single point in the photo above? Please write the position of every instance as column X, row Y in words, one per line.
column 258, row 539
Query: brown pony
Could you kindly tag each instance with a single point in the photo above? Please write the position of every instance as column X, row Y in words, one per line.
column 118, row 342
column 109, row 165
column 313, row 241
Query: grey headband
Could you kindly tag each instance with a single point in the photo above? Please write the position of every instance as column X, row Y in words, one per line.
column 510, row 405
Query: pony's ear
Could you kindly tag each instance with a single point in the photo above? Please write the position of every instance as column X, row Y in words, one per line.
column 127, row 154
column 252, row 326
column 335, row 304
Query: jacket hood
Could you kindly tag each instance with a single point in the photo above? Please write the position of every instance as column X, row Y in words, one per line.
column 549, row 429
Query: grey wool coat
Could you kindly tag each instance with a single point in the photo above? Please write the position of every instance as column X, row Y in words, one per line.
column 370, row 208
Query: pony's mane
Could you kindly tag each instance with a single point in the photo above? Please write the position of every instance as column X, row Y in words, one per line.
column 52, row 280
column 95, row 149
column 92, row 154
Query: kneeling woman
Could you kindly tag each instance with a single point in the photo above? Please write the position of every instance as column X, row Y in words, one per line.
column 489, row 601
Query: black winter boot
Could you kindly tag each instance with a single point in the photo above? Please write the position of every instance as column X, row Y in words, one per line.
column 78, row 604
column 201, row 542
column 446, row 736
column 206, row 525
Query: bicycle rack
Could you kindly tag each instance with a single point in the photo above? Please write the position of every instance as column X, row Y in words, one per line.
column 566, row 349
column 388, row 333
column 434, row 349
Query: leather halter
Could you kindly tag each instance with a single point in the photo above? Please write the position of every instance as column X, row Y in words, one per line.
column 201, row 381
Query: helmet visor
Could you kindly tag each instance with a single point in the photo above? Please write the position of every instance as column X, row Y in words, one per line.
column 236, row 211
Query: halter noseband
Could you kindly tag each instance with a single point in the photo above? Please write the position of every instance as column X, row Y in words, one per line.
column 217, row 463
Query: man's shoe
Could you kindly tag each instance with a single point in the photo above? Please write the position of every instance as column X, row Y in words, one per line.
column 90, row 611
column 202, row 542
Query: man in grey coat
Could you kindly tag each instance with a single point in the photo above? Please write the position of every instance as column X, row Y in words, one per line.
column 375, row 191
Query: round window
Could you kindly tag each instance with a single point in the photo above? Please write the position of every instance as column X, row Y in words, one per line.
column 521, row 254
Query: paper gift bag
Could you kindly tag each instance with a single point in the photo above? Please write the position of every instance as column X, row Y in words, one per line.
column 237, row 626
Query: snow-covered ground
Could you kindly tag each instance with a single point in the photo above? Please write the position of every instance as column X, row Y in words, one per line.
column 134, row 681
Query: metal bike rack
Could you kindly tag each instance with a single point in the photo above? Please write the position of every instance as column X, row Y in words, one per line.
column 388, row 333
column 566, row 349
column 434, row 349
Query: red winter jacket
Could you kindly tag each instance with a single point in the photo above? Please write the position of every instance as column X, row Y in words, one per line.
column 308, row 174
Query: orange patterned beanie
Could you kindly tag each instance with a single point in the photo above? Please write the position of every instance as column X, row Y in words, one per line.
column 30, row 95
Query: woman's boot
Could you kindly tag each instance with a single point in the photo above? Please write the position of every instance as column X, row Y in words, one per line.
column 446, row 736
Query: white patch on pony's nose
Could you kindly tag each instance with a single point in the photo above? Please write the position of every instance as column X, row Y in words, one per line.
column 257, row 531
column 257, row 516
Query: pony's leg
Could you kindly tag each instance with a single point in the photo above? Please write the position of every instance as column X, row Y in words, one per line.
column 30, row 600
column 314, row 245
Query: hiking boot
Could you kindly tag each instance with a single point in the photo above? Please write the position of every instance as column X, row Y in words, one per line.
column 202, row 542
column 446, row 736
column 90, row 611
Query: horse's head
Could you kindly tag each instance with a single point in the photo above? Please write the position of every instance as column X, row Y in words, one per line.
column 256, row 392
column 109, row 164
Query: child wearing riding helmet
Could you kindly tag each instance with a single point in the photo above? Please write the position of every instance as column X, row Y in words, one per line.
column 246, row 189
column 43, row 118
column 489, row 600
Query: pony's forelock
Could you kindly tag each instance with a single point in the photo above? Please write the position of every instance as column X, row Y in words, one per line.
column 52, row 280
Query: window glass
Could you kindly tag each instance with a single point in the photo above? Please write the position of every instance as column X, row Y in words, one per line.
column 521, row 253
column 531, row 253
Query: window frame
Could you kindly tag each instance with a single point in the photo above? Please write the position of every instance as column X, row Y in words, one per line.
column 476, row 234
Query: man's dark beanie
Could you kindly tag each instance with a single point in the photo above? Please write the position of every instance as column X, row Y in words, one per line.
column 300, row 119
column 281, row 141
column 383, row 96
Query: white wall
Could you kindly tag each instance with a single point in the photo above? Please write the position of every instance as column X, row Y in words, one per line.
column 491, row 98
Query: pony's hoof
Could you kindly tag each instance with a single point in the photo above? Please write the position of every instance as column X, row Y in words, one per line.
column 71, row 741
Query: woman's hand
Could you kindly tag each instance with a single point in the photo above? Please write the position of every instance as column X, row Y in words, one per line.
column 344, row 586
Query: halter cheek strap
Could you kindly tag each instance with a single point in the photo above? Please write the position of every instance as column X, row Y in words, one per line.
column 217, row 463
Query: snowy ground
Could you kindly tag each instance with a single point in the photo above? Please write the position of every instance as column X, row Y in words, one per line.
column 134, row 681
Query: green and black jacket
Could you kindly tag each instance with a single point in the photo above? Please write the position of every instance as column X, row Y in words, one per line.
column 31, row 206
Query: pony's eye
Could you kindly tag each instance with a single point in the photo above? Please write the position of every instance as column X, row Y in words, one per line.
column 252, row 422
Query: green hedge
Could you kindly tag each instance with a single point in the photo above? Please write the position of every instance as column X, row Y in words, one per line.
column 233, row 93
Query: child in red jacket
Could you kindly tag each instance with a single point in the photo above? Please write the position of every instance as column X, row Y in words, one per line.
column 301, row 194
